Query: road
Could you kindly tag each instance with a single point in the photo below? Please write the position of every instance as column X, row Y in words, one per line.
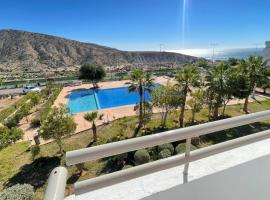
column 11, row 91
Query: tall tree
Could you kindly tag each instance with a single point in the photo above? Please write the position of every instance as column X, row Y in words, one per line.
column 57, row 125
column 196, row 103
column 141, row 82
column 93, row 73
column 253, row 69
column 165, row 98
column 187, row 78
column 92, row 117
column 218, row 88
column 9, row 136
column 264, row 82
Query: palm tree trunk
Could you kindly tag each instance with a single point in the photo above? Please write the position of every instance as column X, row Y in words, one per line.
column 182, row 111
column 254, row 91
column 245, row 109
column 141, row 109
column 224, row 108
column 164, row 119
column 215, row 114
column 181, row 117
column 94, row 129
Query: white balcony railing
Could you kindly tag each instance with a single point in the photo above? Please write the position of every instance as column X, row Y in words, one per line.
column 57, row 179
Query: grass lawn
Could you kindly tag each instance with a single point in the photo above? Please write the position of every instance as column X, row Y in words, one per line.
column 17, row 165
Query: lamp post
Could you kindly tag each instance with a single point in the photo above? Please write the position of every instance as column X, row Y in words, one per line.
column 214, row 45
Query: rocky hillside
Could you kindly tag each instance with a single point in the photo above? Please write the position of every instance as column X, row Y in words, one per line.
column 28, row 52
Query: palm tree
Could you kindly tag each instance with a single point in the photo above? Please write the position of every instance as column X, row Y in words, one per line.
column 92, row 117
column 253, row 69
column 218, row 88
column 141, row 82
column 196, row 103
column 187, row 78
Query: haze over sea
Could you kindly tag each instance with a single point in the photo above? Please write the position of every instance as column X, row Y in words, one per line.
column 222, row 54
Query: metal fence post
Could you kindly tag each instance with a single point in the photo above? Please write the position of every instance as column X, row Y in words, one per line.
column 187, row 156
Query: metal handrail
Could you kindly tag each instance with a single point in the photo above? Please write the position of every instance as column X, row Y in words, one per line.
column 174, row 161
column 83, row 155
column 106, row 150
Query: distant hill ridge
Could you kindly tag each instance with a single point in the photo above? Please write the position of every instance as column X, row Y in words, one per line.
column 29, row 52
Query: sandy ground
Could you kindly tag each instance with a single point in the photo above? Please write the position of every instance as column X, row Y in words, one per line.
column 4, row 103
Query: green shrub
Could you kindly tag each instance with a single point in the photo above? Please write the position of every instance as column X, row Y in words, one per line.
column 165, row 153
column 18, row 192
column 54, row 92
column 181, row 148
column 127, row 166
column 12, row 121
column 35, row 122
column 141, row 157
column 9, row 136
column 168, row 146
column 35, row 150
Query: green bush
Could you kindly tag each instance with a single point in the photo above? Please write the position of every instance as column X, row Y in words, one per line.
column 12, row 121
column 35, row 122
column 181, row 148
column 55, row 90
column 168, row 146
column 165, row 153
column 18, row 192
column 141, row 157
column 9, row 136
column 35, row 150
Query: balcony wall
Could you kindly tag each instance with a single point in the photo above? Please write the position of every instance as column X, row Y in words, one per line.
column 245, row 169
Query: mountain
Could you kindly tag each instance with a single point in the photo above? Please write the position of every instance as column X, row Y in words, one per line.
column 35, row 53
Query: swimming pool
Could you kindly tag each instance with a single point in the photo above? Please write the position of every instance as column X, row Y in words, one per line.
column 90, row 100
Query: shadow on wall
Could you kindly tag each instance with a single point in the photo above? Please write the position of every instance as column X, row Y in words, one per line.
column 35, row 173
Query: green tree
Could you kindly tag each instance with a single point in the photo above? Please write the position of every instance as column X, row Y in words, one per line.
column 187, row 78
column 253, row 69
column 92, row 72
column 92, row 117
column 218, row 88
column 9, row 136
column 203, row 63
column 57, row 125
column 141, row 82
column 196, row 103
column 264, row 82
column 165, row 99
column 233, row 61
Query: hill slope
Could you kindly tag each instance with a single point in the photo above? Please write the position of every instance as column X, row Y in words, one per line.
column 28, row 52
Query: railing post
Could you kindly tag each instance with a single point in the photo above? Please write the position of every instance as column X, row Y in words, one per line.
column 56, row 184
column 187, row 158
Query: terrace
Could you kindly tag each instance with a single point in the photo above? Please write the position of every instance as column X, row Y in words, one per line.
column 212, row 168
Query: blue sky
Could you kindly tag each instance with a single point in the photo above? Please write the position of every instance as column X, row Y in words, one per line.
column 143, row 24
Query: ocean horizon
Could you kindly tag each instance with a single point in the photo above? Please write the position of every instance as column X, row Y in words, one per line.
column 221, row 54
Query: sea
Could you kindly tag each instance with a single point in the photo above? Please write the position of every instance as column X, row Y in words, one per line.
column 222, row 54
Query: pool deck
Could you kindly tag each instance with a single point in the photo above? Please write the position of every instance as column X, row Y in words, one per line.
column 110, row 114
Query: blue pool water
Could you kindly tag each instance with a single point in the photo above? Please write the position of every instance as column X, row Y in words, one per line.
column 89, row 100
